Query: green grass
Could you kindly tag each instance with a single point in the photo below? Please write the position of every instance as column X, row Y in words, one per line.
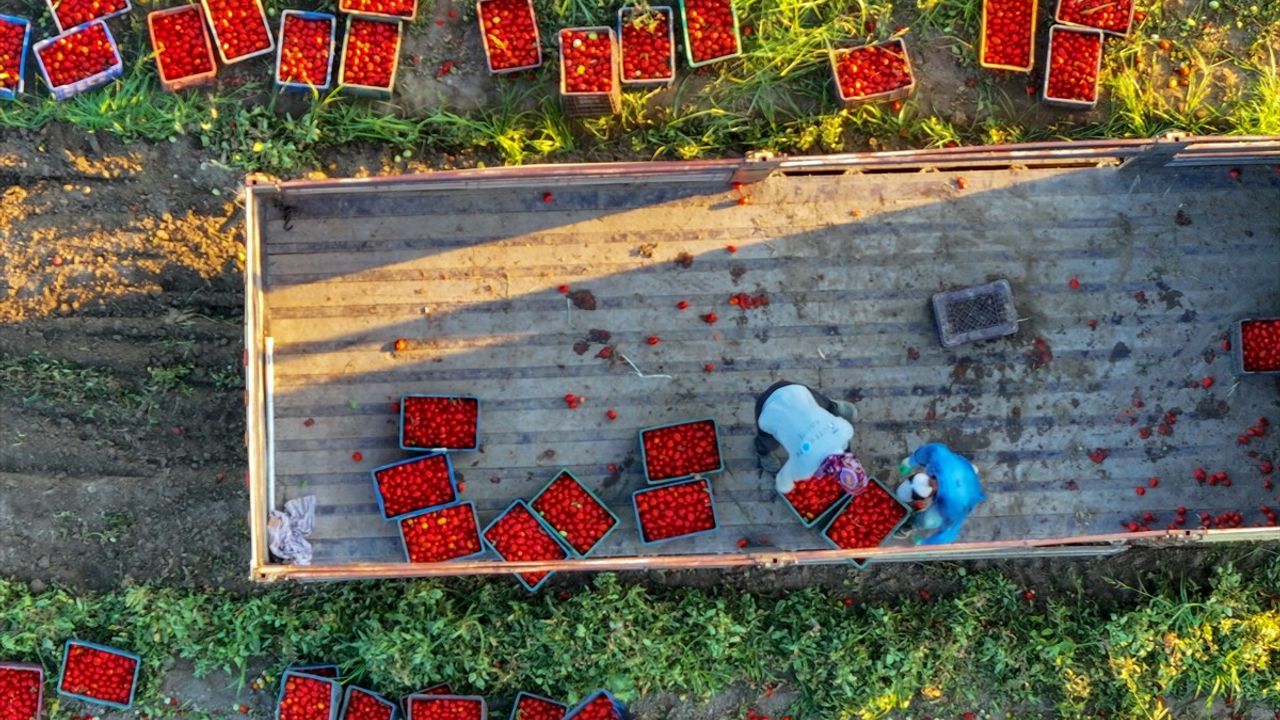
column 1158, row 652
column 62, row 387
column 776, row 97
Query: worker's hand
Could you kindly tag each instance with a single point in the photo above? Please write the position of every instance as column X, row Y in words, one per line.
column 905, row 467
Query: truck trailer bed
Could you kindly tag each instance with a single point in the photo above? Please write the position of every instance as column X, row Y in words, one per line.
column 1102, row 388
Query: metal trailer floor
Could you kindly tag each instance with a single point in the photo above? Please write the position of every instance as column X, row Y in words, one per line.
column 469, row 273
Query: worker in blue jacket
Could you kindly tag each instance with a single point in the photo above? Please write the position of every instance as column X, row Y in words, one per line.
column 943, row 487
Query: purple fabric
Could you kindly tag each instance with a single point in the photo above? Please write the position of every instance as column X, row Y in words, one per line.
column 847, row 471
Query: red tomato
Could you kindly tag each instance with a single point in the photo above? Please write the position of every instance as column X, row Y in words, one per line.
column 305, row 57
column 98, row 674
column 510, row 34
column 181, row 45
column 1073, row 65
column 79, row 54
column 866, row 71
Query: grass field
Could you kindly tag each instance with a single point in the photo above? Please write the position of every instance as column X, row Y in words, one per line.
column 1205, row 67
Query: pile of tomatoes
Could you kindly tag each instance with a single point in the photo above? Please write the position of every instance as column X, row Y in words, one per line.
column 864, row 72
column 78, row 55
column 1260, row 345
column 370, row 54
column 1073, row 65
column 676, row 451
column 98, row 674
column 647, row 53
column 675, row 510
column 306, row 50
column 1008, row 32
column 579, row 518
column 240, row 27
column 418, row 484
column 445, row 423
column 181, row 44
column 586, row 60
column 517, row 535
column 440, row 535
column 867, row 520
column 510, row 34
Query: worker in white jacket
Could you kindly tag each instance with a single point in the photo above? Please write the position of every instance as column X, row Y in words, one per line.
column 803, row 426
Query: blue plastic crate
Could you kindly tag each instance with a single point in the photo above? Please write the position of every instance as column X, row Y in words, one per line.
column 644, row 460
column 335, row 691
column 328, row 671
column 92, row 82
column 843, row 504
column 437, row 689
column 474, row 519
column 52, row 4
column 414, row 448
column 550, row 531
column 346, row 701
column 573, row 551
column 619, row 708
column 520, row 695
column 7, row 93
column 820, row 516
column 640, row 527
column 484, row 707
column 36, row 668
column 133, row 689
column 333, row 34
column 377, row 494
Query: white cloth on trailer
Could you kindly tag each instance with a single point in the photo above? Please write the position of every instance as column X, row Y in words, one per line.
column 287, row 530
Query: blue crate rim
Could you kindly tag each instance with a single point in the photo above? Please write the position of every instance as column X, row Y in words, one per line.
column 671, row 36
column 817, row 519
column 133, row 688
column 346, row 700
column 333, row 36
column 560, row 543
column 522, row 694
column 404, row 699
column 305, row 668
column 377, row 494
column 848, row 500
column 414, row 448
column 715, row 517
column 1237, row 347
column 688, row 49
column 644, row 458
column 474, row 517
column 30, row 667
column 484, row 706
column 619, row 708
column 939, row 300
column 128, row 7
column 12, row 94
column 335, row 691
column 83, row 85
column 594, row 546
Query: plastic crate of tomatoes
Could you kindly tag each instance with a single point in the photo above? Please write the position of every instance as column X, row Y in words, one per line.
column 439, row 422
column 324, row 670
column 304, row 56
column 536, row 707
column 452, row 707
column 812, row 498
column 21, row 690
column 240, row 29
column 370, row 56
column 1007, row 35
column 15, row 36
column 518, row 534
column 599, row 705
column 575, row 513
column 406, row 10
column 409, row 486
column 1110, row 16
column 99, row 674
column 866, row 520
column 81, row 59
column 509, row 30
column 590, row 84
column 680, row 450
column 1071, row 73
column 880, row 72
column 1255, row 344
column 710, row 30
column 675, row 511
column 647, row 45
column 448, row 533
column 437, row 689
column 361, row 704
column 304, row 696
column 183, row 47
column 68, row 14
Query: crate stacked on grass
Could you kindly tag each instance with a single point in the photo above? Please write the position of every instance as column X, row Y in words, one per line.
column 446, row 707
column 866, row 520
column 15, row 35
column 529, row 706
column 304, row 696
column 518, row 534
column 361, row 704
column 589, row 72
column 880, row 72
column 1255, row 346
column 79, row 60
column 647, row 39
column 182, row 46
column 1007, row 35
column 21, row 691
column 240, row 29
column 575, row 513
column 509, row 31
column 710, row 30
column 370, row 56
column 1073, row 68
column 599, row 705
column 304, row 56
column 99, row 674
